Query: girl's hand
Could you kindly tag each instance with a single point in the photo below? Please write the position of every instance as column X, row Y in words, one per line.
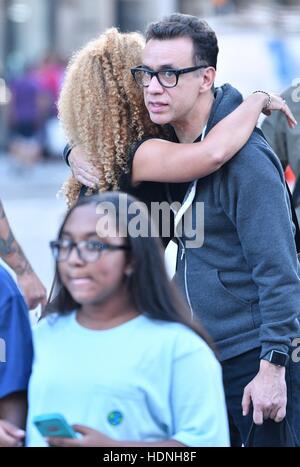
column 10, row 435
column 90, row 438
column 278, row 103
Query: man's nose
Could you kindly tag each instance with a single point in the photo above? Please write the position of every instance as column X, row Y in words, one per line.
column 155, row 87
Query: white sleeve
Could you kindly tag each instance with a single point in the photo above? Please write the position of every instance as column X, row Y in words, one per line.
column 198, row 402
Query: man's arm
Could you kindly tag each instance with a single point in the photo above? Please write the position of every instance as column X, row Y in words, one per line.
column 12, row 254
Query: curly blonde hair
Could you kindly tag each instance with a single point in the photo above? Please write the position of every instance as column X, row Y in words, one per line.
column 102, row 109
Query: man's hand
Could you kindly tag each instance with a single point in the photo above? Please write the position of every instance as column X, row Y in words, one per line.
column 10, row 435
column 90, row 438
column 33, row 290
column 268, row 394
column 81, row 168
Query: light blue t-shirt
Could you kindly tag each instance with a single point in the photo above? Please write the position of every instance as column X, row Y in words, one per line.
column 144, row 380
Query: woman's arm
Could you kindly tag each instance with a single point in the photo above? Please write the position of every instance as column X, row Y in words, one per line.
column 162, row 161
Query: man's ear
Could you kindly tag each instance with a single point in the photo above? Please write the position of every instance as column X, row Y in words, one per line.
column 208, row 79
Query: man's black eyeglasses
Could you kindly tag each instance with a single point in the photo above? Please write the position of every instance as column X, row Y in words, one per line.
column 87, row 250
column 166, row 78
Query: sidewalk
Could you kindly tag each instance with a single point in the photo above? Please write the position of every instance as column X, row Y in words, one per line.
column 33, row 209
column 42, row 180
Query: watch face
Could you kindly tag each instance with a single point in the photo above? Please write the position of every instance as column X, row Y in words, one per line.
column 278, row 358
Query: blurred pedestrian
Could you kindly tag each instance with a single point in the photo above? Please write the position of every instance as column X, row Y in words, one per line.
column 50, row 75
column 25, row 120
column 284, row 141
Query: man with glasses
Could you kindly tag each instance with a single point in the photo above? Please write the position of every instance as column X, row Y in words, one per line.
column 242, row 282
column 166, row 78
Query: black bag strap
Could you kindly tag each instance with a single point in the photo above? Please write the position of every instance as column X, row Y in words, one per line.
column 286, row 435
column 295, row 220
column 250, row 437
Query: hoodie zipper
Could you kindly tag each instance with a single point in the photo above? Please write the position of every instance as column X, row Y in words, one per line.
column 183, row 256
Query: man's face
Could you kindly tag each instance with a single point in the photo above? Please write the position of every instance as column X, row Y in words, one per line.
column 171, row 105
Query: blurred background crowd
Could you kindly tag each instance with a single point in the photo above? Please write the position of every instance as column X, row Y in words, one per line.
column 259, row 41
column 259, row 49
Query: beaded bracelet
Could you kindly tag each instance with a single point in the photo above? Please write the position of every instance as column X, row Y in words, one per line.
column 269, row 99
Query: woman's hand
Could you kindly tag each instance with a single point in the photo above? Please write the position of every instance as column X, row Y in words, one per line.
column 81, row 168
column 278, row 103
column 90, row 438
column 10, row 435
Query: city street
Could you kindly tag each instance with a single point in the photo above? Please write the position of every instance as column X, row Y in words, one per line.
column 33, row 209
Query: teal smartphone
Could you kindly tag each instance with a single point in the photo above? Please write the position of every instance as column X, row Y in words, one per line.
column 53, row 424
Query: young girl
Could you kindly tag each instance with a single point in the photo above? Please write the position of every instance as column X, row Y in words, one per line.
column 116, row 353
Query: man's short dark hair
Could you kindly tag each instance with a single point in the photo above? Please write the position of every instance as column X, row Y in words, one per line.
column 178, row 25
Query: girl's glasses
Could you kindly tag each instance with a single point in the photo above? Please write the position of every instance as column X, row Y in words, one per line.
column 87, row 250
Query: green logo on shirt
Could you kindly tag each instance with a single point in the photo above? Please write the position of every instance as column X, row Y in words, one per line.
column 115, row 418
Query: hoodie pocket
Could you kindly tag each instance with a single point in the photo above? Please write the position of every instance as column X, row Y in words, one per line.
column 222, row 313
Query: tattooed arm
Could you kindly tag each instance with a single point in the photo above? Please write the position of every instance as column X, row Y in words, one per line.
column 10, row 250
column 12, row 254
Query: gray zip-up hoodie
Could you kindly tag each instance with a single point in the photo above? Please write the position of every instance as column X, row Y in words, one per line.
column 243, row 283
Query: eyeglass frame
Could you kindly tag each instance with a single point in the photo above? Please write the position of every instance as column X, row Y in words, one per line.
column 103, row 247
column 177, row 72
